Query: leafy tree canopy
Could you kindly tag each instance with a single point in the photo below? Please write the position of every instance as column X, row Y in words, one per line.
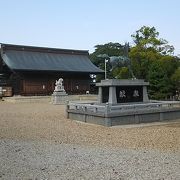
column 176, row 79
column 152, row 59
column 111, row 49
column 148, row 38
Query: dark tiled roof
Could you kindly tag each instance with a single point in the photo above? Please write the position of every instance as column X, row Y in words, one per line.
column 47, row 59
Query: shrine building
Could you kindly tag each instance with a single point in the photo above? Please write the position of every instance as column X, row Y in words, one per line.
column 30, row 70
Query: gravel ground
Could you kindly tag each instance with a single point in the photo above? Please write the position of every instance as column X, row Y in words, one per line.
column 38, row 142
column 46, row 160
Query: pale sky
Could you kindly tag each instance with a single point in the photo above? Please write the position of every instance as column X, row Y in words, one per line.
column 82, row 24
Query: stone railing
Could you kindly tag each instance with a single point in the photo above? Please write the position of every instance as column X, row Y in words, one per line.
column 107, row 108
column 91, row 108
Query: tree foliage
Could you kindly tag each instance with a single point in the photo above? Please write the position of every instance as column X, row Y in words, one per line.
column 152, row 59
column 147, row 38
column 176, row 79
column 111, row 49
column 159, row 76
column 148, row 48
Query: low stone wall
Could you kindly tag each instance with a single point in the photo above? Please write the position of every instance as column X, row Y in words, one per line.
column 107, row 115
column 83, row 97
column 47, row 99
column 28, row 99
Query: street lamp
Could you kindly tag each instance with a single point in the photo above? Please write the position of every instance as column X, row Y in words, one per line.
column 106, row 57
column 105, row 70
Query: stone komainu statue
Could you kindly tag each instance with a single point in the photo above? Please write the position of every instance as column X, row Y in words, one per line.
column 122, row 61
column 59, row 82
column 59, row 85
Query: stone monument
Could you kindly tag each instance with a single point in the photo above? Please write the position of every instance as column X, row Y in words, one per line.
column 59, row 95
column 115, row 91
column 123, row 101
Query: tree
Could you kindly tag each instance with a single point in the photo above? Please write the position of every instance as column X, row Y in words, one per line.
column 176, row 79
column 147, row 38
column 141, row 60
column 153, row 60
column 148, row 48
column 111, row 49
column 121, row 73
column 160, row 77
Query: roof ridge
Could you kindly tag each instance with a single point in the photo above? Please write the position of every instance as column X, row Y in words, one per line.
column 42, row 49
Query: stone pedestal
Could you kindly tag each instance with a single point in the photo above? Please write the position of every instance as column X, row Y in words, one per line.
column 59, row 95
column 114, row 91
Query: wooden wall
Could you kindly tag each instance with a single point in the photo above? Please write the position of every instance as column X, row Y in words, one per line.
column 36, row 87
column 39, row 85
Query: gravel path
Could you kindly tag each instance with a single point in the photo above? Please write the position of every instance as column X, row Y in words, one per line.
column 38, row 142
column 46, row 160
